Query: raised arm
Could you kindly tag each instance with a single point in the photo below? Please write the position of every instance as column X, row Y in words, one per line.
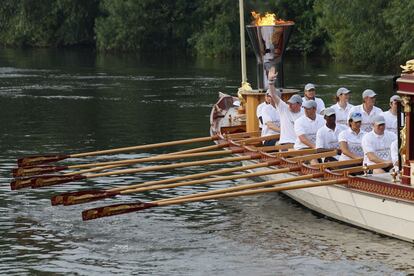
column 272, row 77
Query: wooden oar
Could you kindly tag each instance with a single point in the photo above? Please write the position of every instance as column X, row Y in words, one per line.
column 71, row 200
column 38, row 170
column 241, row 135
column 60, row 179
column 92, row 195
column 133, row 207
column 346, row 171
column 41, row 159
column 313, row 156
column 113, row 164
column 334, row 164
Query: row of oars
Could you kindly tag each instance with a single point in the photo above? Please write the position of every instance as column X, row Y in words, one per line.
column 30, row 172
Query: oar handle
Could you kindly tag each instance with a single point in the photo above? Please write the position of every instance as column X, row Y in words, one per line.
column 116, row 209
column 36, row 170
column 39, row 159
column 50, row 180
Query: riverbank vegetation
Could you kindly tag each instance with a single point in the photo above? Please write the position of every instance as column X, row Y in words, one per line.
column 377, row 32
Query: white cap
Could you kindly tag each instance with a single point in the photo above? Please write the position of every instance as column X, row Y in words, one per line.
column 310, row 104
column 295, row 99
column 378, row 120
column 309, row 86
column 368, row 93
column 342, row 90
column 329, row 111
column 395, row 98
column 236, row 103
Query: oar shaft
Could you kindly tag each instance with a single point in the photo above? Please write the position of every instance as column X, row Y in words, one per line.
column 249, row 186
column 178, row 165
column 254, row 192
column 208, row 180
column 313, row 156
column 149, row 146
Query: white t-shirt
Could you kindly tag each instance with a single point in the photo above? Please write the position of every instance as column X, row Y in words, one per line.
column 390, row 121
column 366, row 124
column 320, row 104
column 269, row 114
column 287, row 122
column 327, row 138
column 342, row 113
column 353, row 141
column 380, row 145
column 259, row 110
column 394, row 152
column 305, row 126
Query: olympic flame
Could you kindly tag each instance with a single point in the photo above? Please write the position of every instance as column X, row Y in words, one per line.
column 268, row 19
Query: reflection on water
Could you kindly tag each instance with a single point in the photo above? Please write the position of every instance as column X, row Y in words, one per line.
column 74, row 101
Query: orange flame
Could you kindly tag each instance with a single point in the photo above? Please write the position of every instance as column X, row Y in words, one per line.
column 269, row 19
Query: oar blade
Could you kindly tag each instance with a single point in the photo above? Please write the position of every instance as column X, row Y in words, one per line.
column 36, row 170
column 78, row 199
column 116, row 209
column 50, row 180
column 58, row 199
column 39, row 159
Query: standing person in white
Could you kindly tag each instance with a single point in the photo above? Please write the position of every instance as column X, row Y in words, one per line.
column 390, row 116
column 307, row 126
column 289, row 112
column 271, row 122
column 367, row 109
column 350, row 140
column 342, row 106
column 310, row 92
column 260, row 108
column 377, row 145
column 327, row 136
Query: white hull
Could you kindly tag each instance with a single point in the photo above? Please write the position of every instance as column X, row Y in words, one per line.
column 380, row 214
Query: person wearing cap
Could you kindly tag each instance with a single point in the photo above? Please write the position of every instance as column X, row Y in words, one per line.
column 342, row 106
column 391, row 115
column 309, row 94
column 307, row 126
column 367, row 109
column 260, row 108
column 289, row 112
column 271, row 122
column 350, row 139
column 327, row 136
column 377, row 145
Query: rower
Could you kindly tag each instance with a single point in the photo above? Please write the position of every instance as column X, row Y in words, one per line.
column 271, row 122
column 367, row 109
column 289, row 112
column 310, row 92
column 342, row 106
column 260, row 108
column 307, row 126
column 377, row 145
column 390, row 116
column 350, row 139
column 327, row 136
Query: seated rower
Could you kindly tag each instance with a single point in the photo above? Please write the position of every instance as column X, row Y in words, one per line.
column 390, row 116
column 327, row 136
column 307, row 126
column 350, row 140
column 367, row 109
column 289, row 112
column 271, row 122
column 377, row 145
column 260, row 107
column 310, row 94
column 342, row 106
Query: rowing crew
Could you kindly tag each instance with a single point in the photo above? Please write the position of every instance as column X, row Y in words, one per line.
column 358, row 131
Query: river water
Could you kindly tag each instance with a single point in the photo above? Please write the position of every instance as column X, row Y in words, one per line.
column 76, row 101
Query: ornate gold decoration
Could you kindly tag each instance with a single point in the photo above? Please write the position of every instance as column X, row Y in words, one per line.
column 405, row 101
column 245, row 87
column 403, row 137
column 408, row 67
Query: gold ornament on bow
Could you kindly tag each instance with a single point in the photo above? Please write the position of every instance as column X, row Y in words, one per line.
column 408, row 67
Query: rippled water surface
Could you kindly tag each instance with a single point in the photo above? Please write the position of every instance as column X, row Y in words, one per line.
column 77, row 101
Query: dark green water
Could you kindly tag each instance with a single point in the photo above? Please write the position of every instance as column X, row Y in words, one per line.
column 76, row 101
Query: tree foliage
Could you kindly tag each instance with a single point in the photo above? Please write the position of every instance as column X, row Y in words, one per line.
column 363, row 32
